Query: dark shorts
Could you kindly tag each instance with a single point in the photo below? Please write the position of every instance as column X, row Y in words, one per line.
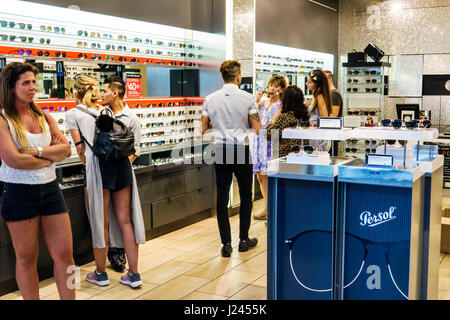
column 25, row 201
column 116, row 175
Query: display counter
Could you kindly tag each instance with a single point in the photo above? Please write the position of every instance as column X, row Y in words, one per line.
column 301, row 233
column 347, row 229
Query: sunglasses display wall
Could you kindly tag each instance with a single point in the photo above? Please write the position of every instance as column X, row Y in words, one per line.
column 289, row 61
column 165, row 122
column 36, row 35
column 362, row 88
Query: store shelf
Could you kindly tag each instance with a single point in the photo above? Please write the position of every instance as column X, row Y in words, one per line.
column 381, row 133
column 317, row 134
column 366, row 64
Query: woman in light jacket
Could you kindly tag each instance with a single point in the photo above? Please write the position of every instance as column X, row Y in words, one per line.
column 119, row 222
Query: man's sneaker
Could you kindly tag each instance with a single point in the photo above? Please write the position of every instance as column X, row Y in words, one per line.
column 226, row 250
column 245, row 245
column 132, row 280
column 100, row 279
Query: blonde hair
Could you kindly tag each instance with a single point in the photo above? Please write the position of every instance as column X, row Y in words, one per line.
column 8, row 78
column 85, row 88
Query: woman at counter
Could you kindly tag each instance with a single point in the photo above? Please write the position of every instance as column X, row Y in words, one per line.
column 121, row 224
column 320, row 105
column 293, row 112
column 261, row 149
column 31, row 145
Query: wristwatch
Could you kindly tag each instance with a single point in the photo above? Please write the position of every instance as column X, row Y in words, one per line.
column 39, row 149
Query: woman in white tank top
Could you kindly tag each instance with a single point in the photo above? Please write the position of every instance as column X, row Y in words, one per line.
column 31, row 144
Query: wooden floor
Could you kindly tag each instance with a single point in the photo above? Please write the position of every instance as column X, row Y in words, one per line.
column 186, row 264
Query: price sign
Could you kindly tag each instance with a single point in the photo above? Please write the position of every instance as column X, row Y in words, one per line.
column 134, row 86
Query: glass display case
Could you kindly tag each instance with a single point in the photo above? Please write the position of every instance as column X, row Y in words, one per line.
column 363, row 90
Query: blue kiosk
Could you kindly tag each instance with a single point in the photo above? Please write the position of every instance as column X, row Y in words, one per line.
column 345, row 230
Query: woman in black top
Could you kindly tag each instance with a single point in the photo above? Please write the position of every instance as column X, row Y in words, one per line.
column 293, row 111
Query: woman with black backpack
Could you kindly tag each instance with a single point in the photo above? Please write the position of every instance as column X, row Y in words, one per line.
column 120, row 224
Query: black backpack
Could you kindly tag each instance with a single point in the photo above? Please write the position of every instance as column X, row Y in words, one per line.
column 113, row 140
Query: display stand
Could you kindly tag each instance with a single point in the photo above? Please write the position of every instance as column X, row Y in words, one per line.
column 301, row 234
column 385, row 217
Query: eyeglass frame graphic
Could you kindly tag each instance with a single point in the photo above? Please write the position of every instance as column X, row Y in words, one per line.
column 365, row 242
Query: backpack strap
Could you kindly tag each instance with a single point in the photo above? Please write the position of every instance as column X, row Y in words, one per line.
column 89, row 113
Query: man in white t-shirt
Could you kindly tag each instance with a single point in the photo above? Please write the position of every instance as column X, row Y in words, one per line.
column 232, row 113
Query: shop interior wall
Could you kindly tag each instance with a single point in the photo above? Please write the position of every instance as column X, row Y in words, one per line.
column 415, row 40
column 200, row 15
column 298, row 24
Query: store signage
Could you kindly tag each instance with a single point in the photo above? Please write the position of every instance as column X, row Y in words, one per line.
column 379, row 160
column 329, row 123
column 134, row 86
column 369, row 220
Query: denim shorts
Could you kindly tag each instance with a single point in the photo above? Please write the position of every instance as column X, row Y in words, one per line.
column 26, row 201
column 117, row 174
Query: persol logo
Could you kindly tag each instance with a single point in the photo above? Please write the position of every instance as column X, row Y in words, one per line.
column 372, row 220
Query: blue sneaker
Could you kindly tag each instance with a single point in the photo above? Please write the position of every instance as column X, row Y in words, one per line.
column 100, row 279
column 132, row 280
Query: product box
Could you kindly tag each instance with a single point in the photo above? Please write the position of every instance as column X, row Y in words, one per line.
column 445, row 234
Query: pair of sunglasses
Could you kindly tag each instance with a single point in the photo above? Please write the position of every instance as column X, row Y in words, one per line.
column 45, row 53
column 43, row 40
column 353, row 80
column 351, row 150
column 371, row 89
column 397, row 123
column 370, row 72
column 411, row 124
column 306, row 149
column 371, row 80
column 352, row 89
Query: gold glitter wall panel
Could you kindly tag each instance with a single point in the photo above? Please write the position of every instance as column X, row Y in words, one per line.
column 436, row 63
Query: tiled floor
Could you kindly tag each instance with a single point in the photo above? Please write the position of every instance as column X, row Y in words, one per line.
column 186, row 264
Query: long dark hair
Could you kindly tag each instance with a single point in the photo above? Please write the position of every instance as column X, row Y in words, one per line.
column 321, row 81
column 292, row 100
column 8, row 78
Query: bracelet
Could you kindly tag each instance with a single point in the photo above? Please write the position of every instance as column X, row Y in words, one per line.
column 79, row 142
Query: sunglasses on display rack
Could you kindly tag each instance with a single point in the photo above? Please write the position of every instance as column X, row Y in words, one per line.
column 306, row 149
column 24, row 39
column 43, row 40
column 371, row 80
column 352, row 89
column 413, row 124
column 354, row 72
column 58, row 29
column 353, row 141
column 45, row 53
column 351, row 150
column 373, row 150
column 60, row 54
column 353, row 113
column 46, row 28
column 372, row 72
column 371, row 89
column 81, row 56
column 426, row 124
column 367, row 113
column 352, row 80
